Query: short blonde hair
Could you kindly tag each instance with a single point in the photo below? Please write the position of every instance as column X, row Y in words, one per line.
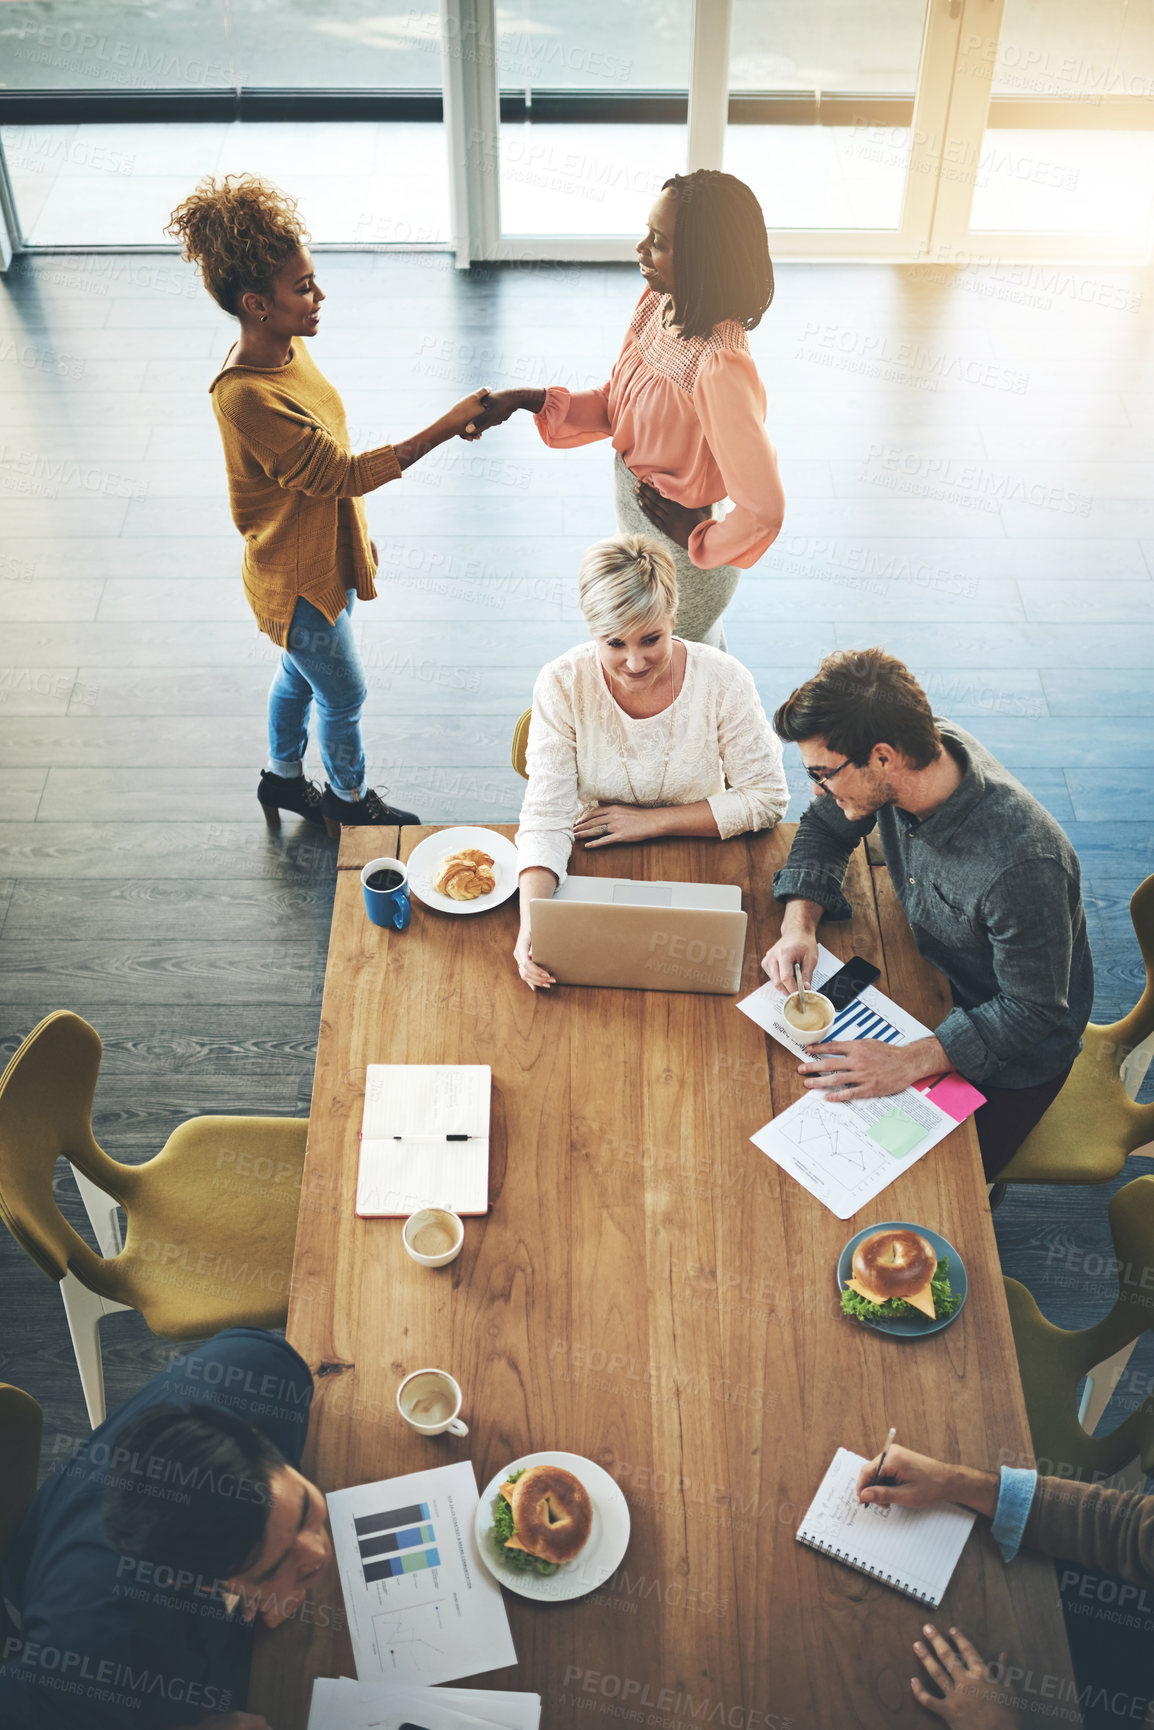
column 627, row 584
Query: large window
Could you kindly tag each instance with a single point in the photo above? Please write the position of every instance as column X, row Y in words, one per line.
column 868, row 128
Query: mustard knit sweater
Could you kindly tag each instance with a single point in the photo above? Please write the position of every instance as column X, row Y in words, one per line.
column 295, row 489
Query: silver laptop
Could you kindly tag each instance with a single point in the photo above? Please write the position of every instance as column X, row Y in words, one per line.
column 617, row 932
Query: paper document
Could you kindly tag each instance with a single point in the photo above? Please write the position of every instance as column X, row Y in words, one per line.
column 407, row 1161
column 871, row 1015
column 846, row 1152
column 421, row 1604
column 344, row 1705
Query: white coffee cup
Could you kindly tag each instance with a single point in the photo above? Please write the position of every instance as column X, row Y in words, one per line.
column 433, row 1236
column 809, row 1035
column 429, row 1400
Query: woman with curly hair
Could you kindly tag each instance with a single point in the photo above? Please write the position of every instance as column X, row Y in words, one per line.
column 684, row 405
column 296, row 490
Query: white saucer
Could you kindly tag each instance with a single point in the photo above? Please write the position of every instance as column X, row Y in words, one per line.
column 600, row 1558
column 427, row 855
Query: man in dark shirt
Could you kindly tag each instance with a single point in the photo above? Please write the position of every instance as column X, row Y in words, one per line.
column 135, row 1575
column 988, row 881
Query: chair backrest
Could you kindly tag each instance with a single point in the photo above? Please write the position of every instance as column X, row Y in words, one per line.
column 1139, row 1024
column 1053, row 1360
column 46, row 1097
column 521, row 743
column 21, row 1425
column 1094, row 1125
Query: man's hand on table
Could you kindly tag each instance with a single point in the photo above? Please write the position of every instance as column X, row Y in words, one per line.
column 916, row 1481
column 869, row 1068
column 970, row 1695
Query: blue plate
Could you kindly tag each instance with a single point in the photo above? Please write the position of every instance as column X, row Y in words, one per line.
column 915, row 1326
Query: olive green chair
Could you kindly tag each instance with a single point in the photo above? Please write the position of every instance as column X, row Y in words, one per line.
column 1094, row 1124
column 21, row 1427
column 211, row 1218
column 1053, row 1360
column 521, row 743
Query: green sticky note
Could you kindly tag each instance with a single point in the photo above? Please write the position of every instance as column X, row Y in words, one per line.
column 897, row 1133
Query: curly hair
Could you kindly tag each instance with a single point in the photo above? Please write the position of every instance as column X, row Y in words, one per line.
column 238, row 231
column 721, row 263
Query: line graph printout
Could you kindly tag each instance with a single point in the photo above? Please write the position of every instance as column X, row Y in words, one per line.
column 422, row 1607
column 847, row 1152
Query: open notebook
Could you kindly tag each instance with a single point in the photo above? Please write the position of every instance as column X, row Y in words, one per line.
column 424, row 1138
column 914, row 1549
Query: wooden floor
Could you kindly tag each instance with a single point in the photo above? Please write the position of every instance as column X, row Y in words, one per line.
column 970, row 474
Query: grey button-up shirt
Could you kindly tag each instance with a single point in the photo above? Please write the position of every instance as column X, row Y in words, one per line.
column 991, row 888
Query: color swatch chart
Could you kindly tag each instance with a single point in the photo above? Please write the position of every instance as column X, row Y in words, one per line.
column 396, row 1541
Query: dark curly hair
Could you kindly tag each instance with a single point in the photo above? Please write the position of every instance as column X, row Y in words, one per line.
column 239, row 231
column 721, row 263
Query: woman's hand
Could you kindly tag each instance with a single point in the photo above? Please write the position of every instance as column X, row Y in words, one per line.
column 533, row 975
column 676, row 521
column 464, row 418
column 916, row 1481
column 501, row 405
column 607, row 824
column 969, row 1698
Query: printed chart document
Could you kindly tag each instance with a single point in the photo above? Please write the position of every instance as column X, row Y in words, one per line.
column 344, row 1705
column 425, row 1138
column 846, row 1152
column 421, row 1604
column 871, row 1015
column 914, row 1549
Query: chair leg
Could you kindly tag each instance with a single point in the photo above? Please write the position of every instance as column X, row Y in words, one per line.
column 1134, row 1068
column 102, row 1215
column 1100, row 1385
column 84, row 1310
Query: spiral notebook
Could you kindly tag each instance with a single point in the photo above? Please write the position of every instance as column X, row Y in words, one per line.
column 913, row 1549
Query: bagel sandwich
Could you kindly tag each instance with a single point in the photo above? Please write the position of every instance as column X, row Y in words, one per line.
column 896, row 1273
column 542, row 1519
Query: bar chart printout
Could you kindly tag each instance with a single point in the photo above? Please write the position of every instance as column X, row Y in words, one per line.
column 421, row 1604
column 397, row 1541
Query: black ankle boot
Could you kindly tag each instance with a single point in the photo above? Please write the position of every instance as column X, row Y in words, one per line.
column 294, row 793
column 357, row 813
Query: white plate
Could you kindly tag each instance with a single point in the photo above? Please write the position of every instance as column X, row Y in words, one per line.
column 598, row 1561
column 427, row 855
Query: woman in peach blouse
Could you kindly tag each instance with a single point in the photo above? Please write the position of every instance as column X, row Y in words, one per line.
column 684, row 405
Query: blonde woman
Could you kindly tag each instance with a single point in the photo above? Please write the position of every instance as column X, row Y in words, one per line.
column 296, row 490
column 637, row 733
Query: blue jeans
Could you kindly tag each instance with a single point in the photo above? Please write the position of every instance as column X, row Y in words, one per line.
column 321, row 662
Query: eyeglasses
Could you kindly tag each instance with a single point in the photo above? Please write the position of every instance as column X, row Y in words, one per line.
column 822, row 777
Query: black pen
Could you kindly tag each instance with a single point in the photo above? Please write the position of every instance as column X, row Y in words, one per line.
column 882, row 1460
column 451, row 1137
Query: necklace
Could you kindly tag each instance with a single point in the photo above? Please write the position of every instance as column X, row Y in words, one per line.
column 656, row 800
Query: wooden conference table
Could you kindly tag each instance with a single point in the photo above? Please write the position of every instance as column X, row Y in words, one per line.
column 648, row 1290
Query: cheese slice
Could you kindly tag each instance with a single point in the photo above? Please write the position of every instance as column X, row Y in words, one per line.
column 922, row 1300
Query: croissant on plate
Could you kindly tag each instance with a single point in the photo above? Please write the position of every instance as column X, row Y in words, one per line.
column 466, row 875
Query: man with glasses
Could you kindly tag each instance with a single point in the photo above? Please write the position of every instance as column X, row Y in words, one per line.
column 988, row 881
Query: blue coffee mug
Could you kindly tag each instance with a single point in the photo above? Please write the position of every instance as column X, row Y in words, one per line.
column 387, row 907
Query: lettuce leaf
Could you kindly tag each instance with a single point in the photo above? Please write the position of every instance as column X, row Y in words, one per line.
column 860, row 1309
column 503, row 1531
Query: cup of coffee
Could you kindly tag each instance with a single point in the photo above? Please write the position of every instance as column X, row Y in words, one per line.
column 433, row 1236
column 808, row 1025
column 429, row 1400
column 385, row 887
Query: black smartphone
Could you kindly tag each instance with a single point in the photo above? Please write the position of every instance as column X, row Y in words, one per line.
column 849, row 980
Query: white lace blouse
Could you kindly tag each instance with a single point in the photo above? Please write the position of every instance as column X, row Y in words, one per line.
column 584, row 750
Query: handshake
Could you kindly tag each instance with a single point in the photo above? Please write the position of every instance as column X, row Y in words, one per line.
column 475, row 414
